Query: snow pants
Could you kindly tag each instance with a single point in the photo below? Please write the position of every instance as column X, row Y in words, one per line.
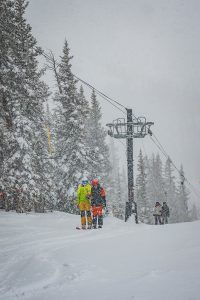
column 85, row 207
column 165, row 219
column 157, row 219
column 97, row 215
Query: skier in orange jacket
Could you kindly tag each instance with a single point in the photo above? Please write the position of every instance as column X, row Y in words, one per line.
column 98, row 202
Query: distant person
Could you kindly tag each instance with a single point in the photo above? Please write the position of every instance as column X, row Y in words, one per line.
column 83, row 202
column 165, row 213
column 157, row 213
column 98, row 202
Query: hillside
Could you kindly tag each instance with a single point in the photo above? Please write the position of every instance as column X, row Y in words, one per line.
column 43, row 257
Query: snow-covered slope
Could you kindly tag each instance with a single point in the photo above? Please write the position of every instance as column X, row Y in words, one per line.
column 43, row 256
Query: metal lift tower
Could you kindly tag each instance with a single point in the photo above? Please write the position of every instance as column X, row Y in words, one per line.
column 130, row 129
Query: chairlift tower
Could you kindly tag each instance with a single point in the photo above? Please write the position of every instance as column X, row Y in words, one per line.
column 130, row 129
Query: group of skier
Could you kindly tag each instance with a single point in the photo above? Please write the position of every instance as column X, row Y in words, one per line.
column 161, row 213
column 91, row 198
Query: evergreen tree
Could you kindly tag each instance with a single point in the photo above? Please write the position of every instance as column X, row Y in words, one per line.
column 113, row 177
column 69, row 133
column 84, row 112
column 182, row 199
column 124, row 190
column 155, row 183
column 23, row 94
column 158, row 179
column 171, row 192
column 141, row 190
column 98, row 149
column 6, row 74
column 124, row 184
column 117, row 191
column 150, row 187
column 118, row 205
column 49, row 163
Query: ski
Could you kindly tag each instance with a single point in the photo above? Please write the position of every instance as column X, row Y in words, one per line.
column 78, row 228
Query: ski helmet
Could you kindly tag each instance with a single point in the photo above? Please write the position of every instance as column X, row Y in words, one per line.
column 84, row 181
column 95, row 181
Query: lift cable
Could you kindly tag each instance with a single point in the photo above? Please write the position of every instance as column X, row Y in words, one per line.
column 121, row 143
column 104, row 96
column 160, row 145
column 161, row 148
column 101, row 94
column 154, row 184
column 110, row 100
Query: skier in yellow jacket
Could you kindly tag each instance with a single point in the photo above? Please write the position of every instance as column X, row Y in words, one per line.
column 83, row 202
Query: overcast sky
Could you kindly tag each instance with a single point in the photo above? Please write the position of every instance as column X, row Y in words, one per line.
column 143, row 53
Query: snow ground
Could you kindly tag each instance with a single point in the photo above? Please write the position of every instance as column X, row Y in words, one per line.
column 43, row 257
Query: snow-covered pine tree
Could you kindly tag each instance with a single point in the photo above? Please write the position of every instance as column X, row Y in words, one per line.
column 22, row 94
column 84, row 113
column 117, row 190
column 69, row 134
column 6, row 137
column 159, row 181
column 144, row 210
column 171, row 191
column 182, row 199
column 98, row 149
column 49, row 163
column 113, row 177
column 120, row 197
column 155, row 182
column 150, row 187
column 124, row 187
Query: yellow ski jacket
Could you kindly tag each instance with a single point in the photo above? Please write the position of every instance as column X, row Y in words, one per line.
column 83, row 193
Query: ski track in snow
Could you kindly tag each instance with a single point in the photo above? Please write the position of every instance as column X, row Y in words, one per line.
column 23, row 253
column 44, row 257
